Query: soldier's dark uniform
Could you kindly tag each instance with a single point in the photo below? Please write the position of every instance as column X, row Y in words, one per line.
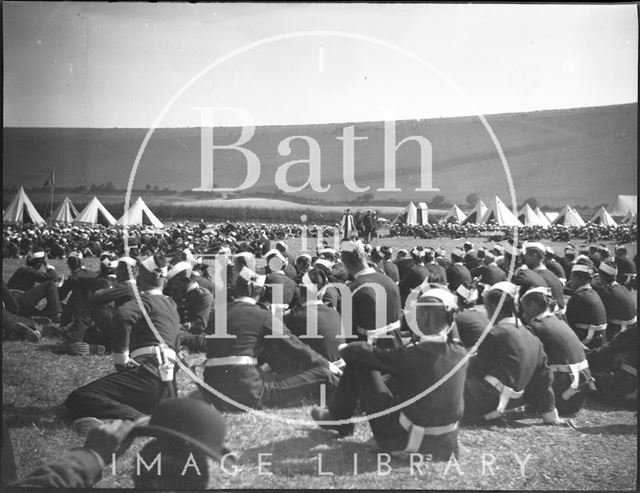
column 489, row 274
column 31, row 285
column 458, row 274
column 428, row 426
column 364, row 305
column 411, row 280
column 196, row 308
column 392, row 271
column 103, row 307
column 626, row 269
column 554, row 266
column 203, row 282
column 329, row 326
column 619, row 307
column 232, row 363
column 78, row 287
column 404, row 265
column 554, row 283
column 131, row 393
column 566, row 359
column 437, row 272
column 526, row 279
column 289, row 288
column 615, row 367
column 510, row 356
column 586, row 315
column 471, row 323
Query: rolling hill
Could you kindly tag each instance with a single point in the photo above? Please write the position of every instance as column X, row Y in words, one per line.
column 578, row 156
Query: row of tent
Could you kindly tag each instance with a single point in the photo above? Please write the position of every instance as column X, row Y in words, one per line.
column 625, row 208
column 22, row 210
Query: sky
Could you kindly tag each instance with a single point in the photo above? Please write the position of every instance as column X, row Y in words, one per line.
column 75, row 64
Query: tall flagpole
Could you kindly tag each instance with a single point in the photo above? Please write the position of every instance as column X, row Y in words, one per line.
column 53, row 183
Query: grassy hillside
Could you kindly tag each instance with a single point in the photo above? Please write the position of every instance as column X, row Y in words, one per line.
column 580, row 156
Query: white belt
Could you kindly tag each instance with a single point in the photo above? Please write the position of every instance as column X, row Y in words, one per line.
column 417, row 433
column 279, row 306
column 560, row 311
column 574, row 369
column 506, row 394
column 340, row 363
column 629, row 369
column 624, row 323
column 591, row 330
column 146, row 350
column 374, row 334
column 231, row 360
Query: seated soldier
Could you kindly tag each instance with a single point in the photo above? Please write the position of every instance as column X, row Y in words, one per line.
column 615, row 367
column 194, row 302
column 471, row 320
column 315, row 323
column 534, row 260
column 375, row 308
column 76, row 290
column 281, row 291
column 232, row 362
column 377, row 379
column 104, row 303
column 303, row 265
column 585, row 313
column 488, row 273
column 618, row 303
column 458, row 273
column 510, row 365
column 565, row 353
column 414, row 277
column 15, row 327
column 145, row 366
column 30, row 286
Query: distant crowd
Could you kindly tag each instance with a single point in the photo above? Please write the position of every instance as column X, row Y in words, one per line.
column 622, row 233
column 92, row 240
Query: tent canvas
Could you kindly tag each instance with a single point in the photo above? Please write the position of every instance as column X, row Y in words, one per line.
column 408, row 216
column 65, row 212
column 139, row 213
column 528, row 217
column 568, row 216
column 422, row 213
column 95, row 213
column 22, row 210
column 500, row 214
column 476, row 215
column 624, row 204
column 603, row 218
column 551, row 216
column 630, row 218
column 543, row 217
column 455, row 215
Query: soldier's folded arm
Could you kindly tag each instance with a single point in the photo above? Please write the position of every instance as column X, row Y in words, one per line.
column 387, row 360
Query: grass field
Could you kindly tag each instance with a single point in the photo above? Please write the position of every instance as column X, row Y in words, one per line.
column 599, row 454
